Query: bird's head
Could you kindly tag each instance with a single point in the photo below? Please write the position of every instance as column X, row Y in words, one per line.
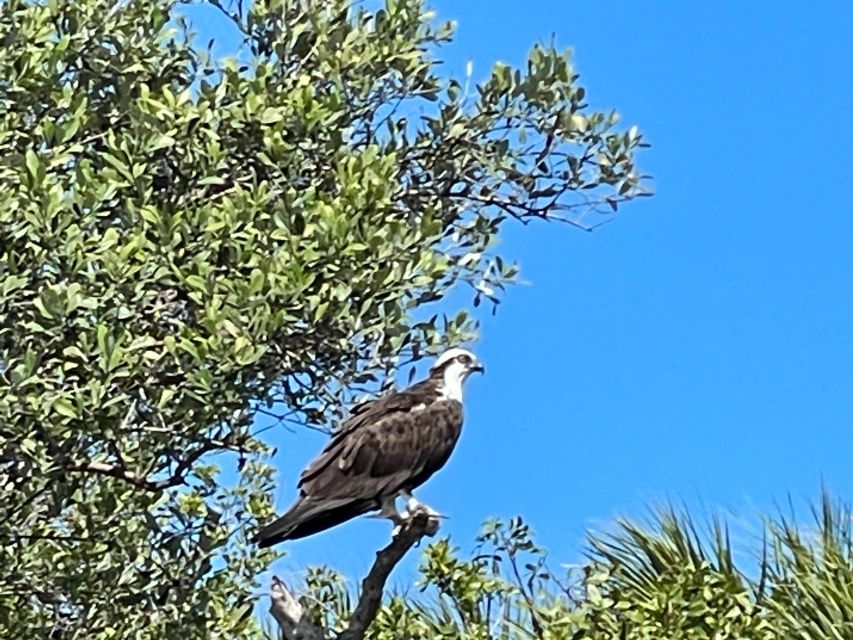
column 453, row 367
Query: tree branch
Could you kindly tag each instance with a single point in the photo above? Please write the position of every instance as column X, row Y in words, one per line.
column 290, row 614
column 114, row 471
column 142, row 482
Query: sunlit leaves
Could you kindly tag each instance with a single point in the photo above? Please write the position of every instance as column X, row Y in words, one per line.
column 670, row 577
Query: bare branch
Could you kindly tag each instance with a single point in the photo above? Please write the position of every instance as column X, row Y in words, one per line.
column 373, row 584
column 289, row 613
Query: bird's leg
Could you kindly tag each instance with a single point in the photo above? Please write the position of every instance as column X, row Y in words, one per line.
column 413, row 506
column 388, row 509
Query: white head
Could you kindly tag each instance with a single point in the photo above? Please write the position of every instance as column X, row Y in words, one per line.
column 454, row 366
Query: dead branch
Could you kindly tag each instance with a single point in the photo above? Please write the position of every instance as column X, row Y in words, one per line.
column 290, row 614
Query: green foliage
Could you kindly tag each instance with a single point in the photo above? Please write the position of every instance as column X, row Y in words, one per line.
column 667, row 578
column 183, row 240
column 809, row 574
column 664, row 581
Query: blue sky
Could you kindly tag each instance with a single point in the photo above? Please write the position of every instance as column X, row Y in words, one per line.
column 699, row 348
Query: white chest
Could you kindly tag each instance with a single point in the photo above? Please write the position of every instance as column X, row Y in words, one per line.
column 451, row 384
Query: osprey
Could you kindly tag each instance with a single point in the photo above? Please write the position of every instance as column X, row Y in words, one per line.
column 386, row 449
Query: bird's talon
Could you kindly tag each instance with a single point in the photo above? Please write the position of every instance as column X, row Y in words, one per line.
column 432, row 514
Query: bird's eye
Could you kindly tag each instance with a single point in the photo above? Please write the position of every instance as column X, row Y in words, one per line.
column 465, row 359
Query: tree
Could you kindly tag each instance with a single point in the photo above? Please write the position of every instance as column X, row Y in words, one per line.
column 186, row 241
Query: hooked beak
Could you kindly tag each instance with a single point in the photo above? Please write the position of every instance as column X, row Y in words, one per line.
column 478, row 367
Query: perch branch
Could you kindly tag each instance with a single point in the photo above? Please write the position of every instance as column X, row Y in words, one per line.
column 290, row 614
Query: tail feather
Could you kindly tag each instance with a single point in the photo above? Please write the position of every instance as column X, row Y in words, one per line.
column 308, row 516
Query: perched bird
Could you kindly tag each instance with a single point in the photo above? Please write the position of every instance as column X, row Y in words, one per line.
column 386, row 449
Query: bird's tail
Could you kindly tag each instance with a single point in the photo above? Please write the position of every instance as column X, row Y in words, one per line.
column 281, row 528
column 307, row 516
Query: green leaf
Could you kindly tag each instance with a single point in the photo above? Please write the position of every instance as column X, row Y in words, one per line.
column 63, row 407
column 35, row 167
column 196, row 282
column 68, row 130
column 122, row 168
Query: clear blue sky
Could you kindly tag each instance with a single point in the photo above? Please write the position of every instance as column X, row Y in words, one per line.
column 698, row 348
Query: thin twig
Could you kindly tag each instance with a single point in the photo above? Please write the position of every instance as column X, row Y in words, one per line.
column 141, row 482
column 114, row 471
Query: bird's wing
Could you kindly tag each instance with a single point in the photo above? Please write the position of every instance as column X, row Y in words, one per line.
column 389, row 444
column 373, row 449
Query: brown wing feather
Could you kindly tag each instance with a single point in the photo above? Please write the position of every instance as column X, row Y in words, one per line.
column 344, row 441
column 373, row 460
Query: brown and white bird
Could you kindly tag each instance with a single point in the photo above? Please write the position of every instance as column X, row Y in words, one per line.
column 384, row 451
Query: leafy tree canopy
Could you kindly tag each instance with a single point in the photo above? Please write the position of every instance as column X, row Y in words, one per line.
column 185, row 239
